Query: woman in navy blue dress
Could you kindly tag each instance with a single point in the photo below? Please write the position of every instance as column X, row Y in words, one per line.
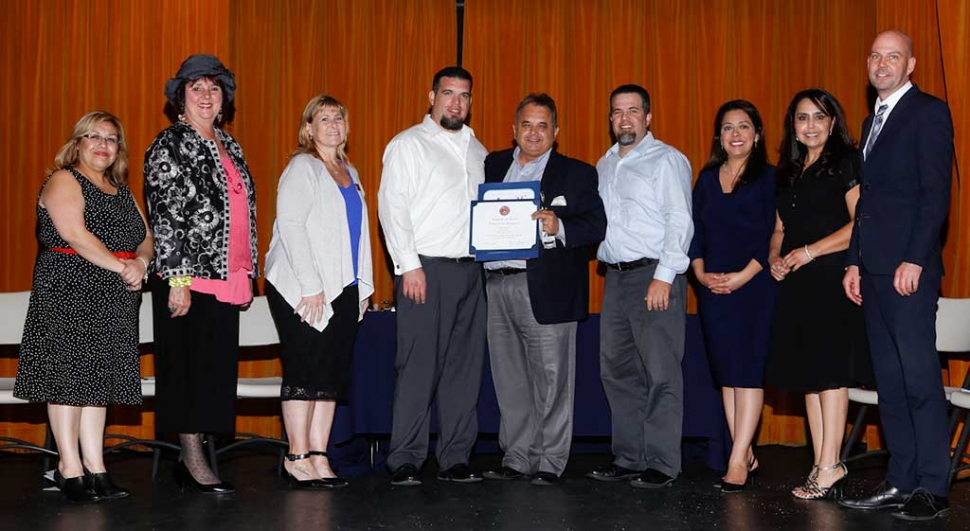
column 734, row 217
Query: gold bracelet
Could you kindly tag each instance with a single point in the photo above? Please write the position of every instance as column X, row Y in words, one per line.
column 180, row 282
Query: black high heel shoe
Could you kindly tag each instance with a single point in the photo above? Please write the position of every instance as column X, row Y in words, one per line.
column 814, row 491
column 730, row 488
column 753, row 467
column 183, row 477
column 102, row 485
column 74, row 489
column 335, row 482
column 313, row 483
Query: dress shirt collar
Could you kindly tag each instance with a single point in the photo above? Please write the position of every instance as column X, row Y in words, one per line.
column 639, row 148
column 540, row 161
column 893, row 98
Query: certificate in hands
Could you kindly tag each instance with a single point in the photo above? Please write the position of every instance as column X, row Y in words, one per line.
column 502, row 227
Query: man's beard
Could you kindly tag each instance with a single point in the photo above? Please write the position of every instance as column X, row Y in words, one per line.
column 453, row 124
column 626, row 139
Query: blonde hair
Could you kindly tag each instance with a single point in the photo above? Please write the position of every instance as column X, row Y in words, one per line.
column 305, row 143
column 67, row 156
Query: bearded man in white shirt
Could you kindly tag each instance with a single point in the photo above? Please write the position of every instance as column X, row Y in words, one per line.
column 645, row 185
column 431, row 174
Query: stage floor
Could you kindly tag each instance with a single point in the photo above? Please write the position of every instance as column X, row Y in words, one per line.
column 370, row 503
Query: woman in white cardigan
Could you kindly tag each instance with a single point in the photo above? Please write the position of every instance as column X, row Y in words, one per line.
column 319, row 279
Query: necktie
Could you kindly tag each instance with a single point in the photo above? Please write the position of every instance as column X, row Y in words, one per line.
column 876, row 128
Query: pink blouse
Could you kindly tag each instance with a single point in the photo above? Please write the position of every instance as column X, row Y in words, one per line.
column 238, row 289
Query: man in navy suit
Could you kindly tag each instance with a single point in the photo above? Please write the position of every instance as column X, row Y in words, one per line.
column 534, row 305
column 894, row 272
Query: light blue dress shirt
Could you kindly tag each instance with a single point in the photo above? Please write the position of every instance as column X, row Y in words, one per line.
column 647, row 196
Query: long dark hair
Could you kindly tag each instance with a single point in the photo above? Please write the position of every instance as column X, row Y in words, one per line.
column 757, row 160
column 792, row 153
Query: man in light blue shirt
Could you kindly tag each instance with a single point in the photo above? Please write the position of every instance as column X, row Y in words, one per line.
column 646, row 190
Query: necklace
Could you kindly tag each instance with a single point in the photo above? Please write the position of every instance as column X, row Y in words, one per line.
column 733, row 173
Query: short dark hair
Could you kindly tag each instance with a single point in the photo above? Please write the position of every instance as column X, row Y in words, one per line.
column 451, row 71
column 632, row 89
column 542, row 100
column 173, row 110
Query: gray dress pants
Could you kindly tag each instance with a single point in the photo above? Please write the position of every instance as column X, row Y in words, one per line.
column 640, row 365
column 533, row 368
column 440, row 357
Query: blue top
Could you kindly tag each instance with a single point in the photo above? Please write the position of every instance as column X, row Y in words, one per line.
column 355, row 210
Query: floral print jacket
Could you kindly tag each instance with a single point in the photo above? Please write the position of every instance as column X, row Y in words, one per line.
column 188, row 203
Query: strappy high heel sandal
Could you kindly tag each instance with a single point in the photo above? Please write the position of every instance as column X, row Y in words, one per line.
column 303, row 484
column 814, row 491
column 335, row 482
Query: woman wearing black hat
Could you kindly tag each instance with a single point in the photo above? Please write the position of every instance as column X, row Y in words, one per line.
column 202, row 208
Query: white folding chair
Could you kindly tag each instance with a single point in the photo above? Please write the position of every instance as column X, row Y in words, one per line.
column 256, row 329
column 952, row 335
column 13, row 313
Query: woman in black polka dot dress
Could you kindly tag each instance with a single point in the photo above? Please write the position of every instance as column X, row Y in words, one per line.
column 80, row 347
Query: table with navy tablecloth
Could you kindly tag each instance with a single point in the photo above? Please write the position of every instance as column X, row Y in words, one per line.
column 368, row 411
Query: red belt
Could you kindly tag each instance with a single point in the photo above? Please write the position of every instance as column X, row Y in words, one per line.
column 119, row 254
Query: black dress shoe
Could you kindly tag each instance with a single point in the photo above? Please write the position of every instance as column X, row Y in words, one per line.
column 405, row 475
column 545, row 479
column 183, row 477
column 885, row 496
column 504, row 474
column 74, row 489
column 922, row 506
column 612, row 473
column 460, row 473
column 102, row 485
column 654, row 479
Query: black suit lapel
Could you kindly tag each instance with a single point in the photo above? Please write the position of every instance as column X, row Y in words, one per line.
column 549, row 175
column 896, row 118
column 496, row 172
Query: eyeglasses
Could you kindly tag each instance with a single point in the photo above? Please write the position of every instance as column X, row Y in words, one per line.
column 97, row 139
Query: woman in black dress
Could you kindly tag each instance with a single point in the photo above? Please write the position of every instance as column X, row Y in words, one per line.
column 734, row 215
column 818, row 336
column 80, row 347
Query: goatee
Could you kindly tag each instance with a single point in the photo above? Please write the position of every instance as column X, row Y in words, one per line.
column 626, row 139
column 452, row 124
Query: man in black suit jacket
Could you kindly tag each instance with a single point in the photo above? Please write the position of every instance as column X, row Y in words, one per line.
column 534, row 305
column 895, row 267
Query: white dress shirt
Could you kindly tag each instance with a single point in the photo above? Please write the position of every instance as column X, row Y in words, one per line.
column 310, row 251
column 891, row 101
column 647, row 198
column 430, row 177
